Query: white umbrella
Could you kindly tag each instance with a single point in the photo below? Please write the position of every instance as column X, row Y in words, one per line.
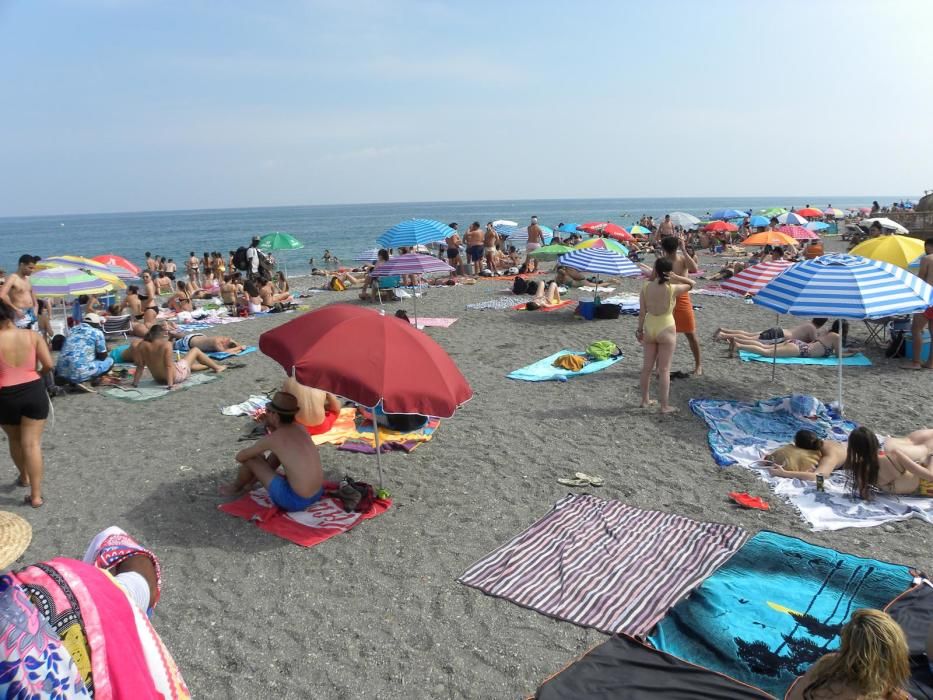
column 885, row 223
column 684, row 220
column 504, row 222
column 792, row 218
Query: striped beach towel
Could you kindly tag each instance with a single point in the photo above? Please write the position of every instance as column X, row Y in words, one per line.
column 603, row 564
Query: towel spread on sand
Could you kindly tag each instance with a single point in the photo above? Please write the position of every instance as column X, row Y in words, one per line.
column 744, row 432
column 308, row 527
column 913, row 611
column 554, row 307
column 591, row 288
column 858, row 360
column 604, row 564
column 224, row 355
column 342, row 429
column 544, row 370
column 363, row 439
column 715, row 291
column 424, row 322
column 774, row 608
column 253, row 405
column 498, row 304
column 149, row 389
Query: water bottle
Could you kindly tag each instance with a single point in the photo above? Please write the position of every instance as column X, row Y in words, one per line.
column 819, row 483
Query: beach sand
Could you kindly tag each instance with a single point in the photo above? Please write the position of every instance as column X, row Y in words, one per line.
column 377, row 612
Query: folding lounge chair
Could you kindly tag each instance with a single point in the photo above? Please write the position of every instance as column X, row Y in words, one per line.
column 386, row 284
column 118, row 325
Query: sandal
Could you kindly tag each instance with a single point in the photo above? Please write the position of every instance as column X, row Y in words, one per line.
column 573, row 482
column 591, row 480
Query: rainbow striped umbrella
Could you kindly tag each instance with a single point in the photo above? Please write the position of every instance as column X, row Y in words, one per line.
column 603, row 243
column 66, row 281
column 72, row 261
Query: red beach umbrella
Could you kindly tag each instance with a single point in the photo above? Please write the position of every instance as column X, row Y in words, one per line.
column 810, row 212
column 111, row 259
column 606, row 228
column 371, row 359
column 753, row 278
column 720, row 226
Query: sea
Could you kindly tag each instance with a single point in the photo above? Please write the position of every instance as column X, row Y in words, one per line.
column 344, row 229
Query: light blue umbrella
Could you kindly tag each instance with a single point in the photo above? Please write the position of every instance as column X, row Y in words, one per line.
column 816, row 226
column 568, row 228
column 602, row 261
column 725, row 214
column 759, row 221
column 792, row 219
column 845, row 286
column 414, row 232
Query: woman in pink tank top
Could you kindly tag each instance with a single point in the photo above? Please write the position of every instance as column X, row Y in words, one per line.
column 24, row 401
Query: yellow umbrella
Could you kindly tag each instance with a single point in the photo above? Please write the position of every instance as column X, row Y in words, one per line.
column 897, row 250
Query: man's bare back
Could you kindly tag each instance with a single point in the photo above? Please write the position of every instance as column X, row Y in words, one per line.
column 298, row 455
column 156, row 356
column 312, row 403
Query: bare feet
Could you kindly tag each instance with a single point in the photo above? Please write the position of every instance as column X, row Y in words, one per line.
column 219, row 369
column 717, row 333
column 666, row 410
column 34, row 501
column 915, row 365
column 228, row 490
column 645, row 404
column 698, row 372
column 731, row 348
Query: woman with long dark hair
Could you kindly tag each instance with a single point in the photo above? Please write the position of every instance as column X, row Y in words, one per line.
column 901, row 466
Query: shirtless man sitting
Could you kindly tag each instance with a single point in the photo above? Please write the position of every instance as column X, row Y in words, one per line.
column 289, row 446
column 317, row 410
column 17, row 293
column 156, row 353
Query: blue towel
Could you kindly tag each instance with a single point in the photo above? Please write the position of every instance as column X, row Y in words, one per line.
column 774, row 608
column 222, row 355
column 544, row 370
column 854, row 361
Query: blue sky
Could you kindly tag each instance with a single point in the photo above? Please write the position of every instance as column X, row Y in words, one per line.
column 123, row 105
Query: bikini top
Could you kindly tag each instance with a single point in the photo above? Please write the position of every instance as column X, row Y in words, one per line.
column 11, row 375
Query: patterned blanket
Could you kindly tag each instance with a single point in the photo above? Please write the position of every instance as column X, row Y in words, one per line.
column 743, row 432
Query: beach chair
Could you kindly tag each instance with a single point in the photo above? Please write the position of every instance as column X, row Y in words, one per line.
column 118, row 325
column 386, row 285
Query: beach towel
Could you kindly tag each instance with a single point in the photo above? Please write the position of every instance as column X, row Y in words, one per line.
column 308, row 527
column 715, row 291
column 224, row 355
column 604, row 564
column 341, row 430
column 498, row 304
column 858, row 360
column 150, row 389
column 544, row 370
column 251, row 407
column 623, row 667
column 913, row 611
column 363, row 439
column 591, row 288
column 774, row 608
column 744, row 432
column 424, row 322
column 555, row 307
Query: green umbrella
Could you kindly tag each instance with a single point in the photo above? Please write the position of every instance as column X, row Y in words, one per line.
column 773, row 211
column 278, row 240
column 551, row 252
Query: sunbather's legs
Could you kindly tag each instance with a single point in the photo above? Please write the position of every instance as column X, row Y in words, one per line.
column 780, row 350
column 197, row 361
column 252, row 470
column 728, row 333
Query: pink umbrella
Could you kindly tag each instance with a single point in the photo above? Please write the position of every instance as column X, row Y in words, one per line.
column 752, row 279
column 798, row 232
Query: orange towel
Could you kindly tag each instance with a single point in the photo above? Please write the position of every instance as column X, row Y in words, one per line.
column 683, row 314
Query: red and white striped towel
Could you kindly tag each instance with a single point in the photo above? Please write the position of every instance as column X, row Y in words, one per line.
column 603, row 564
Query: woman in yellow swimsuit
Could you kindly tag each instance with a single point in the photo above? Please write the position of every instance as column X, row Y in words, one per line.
column 656, row 328
column 903, row 467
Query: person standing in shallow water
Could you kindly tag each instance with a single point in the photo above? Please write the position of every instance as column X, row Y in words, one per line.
column 683, row 264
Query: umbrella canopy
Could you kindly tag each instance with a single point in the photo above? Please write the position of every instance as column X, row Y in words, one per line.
column 684, row 220
column 817, row 226
column 792, row 218
column 885, row 223
column 72, row 261
column 606, row 228
column 277, row 240
column 835, row 213
column 897, row 250
column 368, row 358
column 551, row 252
column 728, row 214
column 798, row 233
column 773, row 211
column 411, row 264
column 637, row 230
column 414, row 232
column 600, row 261
column 758, row 221
column 810, row 212
column 66, row 281
column 568, row 228
column 752, row 279
column 111, row 261
column 769, row 238
column 720, row 226
column 519, row 236
column 604, row 243
column 504, row 222
column 367, row 256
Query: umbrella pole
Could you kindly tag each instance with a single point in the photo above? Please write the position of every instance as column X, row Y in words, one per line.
column 378, row 448
column 839, row 364
column 774, row 350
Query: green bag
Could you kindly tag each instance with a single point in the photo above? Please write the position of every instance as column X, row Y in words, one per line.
column 603, row 350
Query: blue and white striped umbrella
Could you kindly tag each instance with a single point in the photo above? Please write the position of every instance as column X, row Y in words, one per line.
column 601, row 261
column 846, row 286
column 791, row 219
column 367, row 256
column 816, row 226
column 519, row 236
column 414, row 232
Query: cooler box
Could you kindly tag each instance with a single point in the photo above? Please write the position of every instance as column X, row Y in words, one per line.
column 924, row 349
column 587, row 310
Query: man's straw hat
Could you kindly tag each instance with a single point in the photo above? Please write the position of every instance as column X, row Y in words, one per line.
column 15, row 536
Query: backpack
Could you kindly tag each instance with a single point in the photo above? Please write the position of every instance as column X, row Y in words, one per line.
column 336, row 285
column 607, row 311
column 357, row 496
column 240, row 261
column 603, row 350
column 520, row 286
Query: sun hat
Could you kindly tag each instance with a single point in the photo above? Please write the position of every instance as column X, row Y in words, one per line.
column 93, row 318
column 15, row 536
column 283, row 403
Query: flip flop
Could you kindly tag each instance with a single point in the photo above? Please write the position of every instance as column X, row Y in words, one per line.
column 235, row 365
column 592, row 480
column 573, row 482
column 747, row 501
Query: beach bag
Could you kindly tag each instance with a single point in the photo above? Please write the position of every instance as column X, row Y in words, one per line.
column 607, row 311
column 336, row 285
column 357, row 496
column 520, row 286
column 573, row 363
column 603, row 350
column 240, row 261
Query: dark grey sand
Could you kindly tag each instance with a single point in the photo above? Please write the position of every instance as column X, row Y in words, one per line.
column 377, row 612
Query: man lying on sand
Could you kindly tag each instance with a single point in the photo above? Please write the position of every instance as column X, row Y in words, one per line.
column 317, row 410
column 898, row 465
column 824, row 346
column 807, row 332
column 289, row 446
column 207, row 343
column 156, row 353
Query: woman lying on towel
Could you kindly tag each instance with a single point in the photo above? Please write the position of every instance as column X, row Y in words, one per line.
column 79, row 628
column 544, row 296
column 873, row 661
column 824, row 346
